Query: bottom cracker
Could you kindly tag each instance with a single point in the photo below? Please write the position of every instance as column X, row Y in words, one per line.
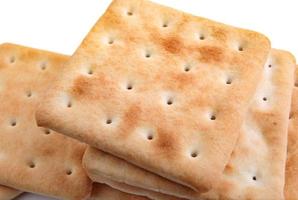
column 104, row 192
column 7, row 193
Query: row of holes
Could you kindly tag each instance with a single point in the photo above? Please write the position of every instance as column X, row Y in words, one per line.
column 13, row 123
column 166, row 25
column 32, row 165
column 187, row 68
column 266, row 98
column 129, row 86
column 254, row 178
column 193, row 154
column 42, row 66
column 110, row 121
column 111, row 41
column 150, row 136
column 169, row 102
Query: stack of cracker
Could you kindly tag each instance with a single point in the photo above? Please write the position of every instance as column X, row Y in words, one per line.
column 154, row 104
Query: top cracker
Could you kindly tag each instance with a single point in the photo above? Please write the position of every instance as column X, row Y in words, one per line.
column 160, row 88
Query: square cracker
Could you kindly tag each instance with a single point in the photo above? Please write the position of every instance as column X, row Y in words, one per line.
column 291, row 185
column 104, row 192
column 155, row 86
column 259, row 153
column 35, row 159
column 7, row 193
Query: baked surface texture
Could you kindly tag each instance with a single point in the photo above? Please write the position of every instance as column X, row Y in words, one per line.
column 154, row 86
column 291, row 186
column 32, row 158
column 7, row 193
column 256, row 168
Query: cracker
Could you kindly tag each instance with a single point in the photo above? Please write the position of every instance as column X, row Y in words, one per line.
column 256, row 169
column 35, row 159
column 133, row 189
column 291, row 185
column 7, row 193
column 159, row 87
column 102, row 178
column 258, row 155
column 106, row 168
column 104, row 192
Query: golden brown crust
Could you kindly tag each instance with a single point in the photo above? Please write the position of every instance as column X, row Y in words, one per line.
column 104, row 192
column 260, row 154
column 7, row 193
column 291, row 185
column 151, row 51
column 35, row 159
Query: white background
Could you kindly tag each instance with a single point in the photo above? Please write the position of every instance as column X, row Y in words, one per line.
column 60, row 25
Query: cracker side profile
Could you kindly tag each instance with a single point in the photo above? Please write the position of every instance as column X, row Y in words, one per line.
column 106, row 168
column 7, row 193
column 35, row 159
column 256, row 168
column 132, row 189
column 104, row 192
column 107, row 177
column 159, row 87
column 291, row 185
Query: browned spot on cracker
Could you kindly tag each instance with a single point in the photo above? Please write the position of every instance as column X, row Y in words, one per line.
column 48, row 152
column 79, row 87
column 89, row 87
column 172, row 45
column 229, row 169
column 219, row 34
column 209, row 54
column 178, row 80
column 183, row 80
column 166, row 144
column 130, row 119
